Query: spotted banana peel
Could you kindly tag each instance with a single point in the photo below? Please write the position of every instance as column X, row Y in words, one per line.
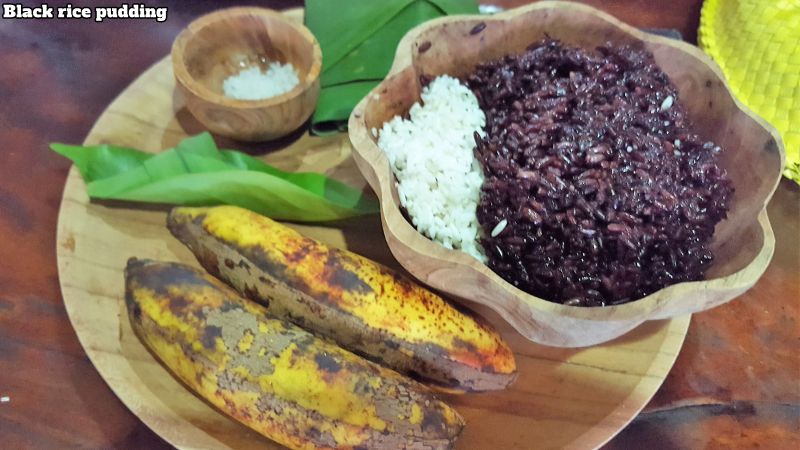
column 360, row 304
column 273, row 376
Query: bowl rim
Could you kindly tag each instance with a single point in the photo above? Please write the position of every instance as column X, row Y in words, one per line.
column 649, row 305
column 186, row 80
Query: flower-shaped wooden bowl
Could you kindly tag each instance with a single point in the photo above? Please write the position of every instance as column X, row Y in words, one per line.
column 753, row 156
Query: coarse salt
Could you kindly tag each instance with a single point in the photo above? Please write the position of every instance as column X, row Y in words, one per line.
column 254, row 83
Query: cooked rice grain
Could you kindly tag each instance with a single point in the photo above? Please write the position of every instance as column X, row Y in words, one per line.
column 431, row 155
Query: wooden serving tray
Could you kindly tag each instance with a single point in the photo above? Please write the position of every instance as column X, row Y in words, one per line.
column 576, row 398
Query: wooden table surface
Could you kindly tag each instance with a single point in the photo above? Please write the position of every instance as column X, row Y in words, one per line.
column 736, row 383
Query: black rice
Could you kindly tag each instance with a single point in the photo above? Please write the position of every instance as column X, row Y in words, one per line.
column 608, row 193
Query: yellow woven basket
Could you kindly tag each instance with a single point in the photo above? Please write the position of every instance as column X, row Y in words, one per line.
column 757, row 44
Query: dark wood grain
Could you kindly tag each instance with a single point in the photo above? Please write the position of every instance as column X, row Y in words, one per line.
column 735, row 383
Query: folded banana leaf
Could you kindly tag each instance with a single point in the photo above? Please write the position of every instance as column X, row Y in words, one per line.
column 358, row 39
column 197, row 173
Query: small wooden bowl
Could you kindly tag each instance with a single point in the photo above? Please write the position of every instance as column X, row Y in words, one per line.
column 214, row 46
column 753, row 156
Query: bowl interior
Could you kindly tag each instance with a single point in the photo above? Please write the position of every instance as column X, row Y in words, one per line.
column 750, row 152
column 221, row 44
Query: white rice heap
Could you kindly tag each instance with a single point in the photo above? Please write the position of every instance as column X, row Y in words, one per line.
column 254, row 84
column 438, row 177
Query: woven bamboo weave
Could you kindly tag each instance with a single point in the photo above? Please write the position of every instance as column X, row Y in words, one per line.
column 757, row 45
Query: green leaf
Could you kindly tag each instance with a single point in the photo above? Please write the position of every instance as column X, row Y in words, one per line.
column 200, row 144
column 341, row 29
column 358, row 47
column 452, row 7
column 368, row 61
column 196, row 173
column 336, row 102
column 101, row 160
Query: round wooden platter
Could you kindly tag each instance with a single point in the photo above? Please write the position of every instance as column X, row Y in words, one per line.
column 576, row 398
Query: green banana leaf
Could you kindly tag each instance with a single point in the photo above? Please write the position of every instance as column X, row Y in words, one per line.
column 358, row 46
column 368, row 61
column 338, row 102
column 340, row 27
column 197, row 173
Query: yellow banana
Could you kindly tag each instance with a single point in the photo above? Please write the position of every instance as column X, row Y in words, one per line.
column 273, row 376
column 360, row 304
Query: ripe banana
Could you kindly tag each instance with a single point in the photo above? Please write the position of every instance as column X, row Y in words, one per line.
column 361, row 305
column 273, row 376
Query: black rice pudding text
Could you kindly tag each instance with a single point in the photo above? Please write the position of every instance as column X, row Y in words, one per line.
column 596, row 191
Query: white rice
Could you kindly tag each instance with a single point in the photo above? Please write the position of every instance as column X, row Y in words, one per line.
column 431, row 155
column 255, row 84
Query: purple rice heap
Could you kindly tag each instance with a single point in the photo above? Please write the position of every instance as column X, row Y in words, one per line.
column 606, row 193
